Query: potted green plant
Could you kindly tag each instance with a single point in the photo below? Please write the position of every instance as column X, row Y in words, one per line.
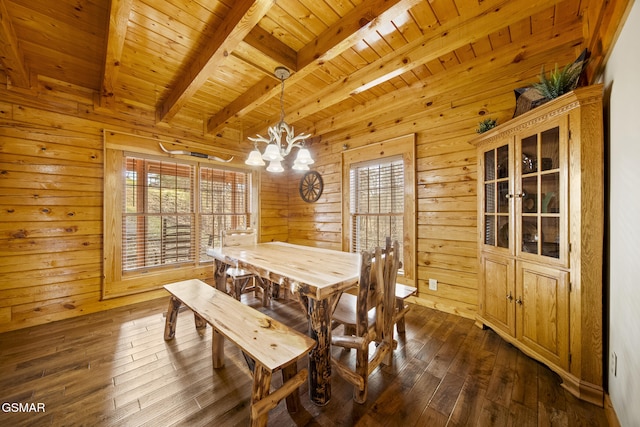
column 560, row 81
column 486, row 124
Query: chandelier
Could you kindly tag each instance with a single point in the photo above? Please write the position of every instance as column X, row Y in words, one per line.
column 277, row 149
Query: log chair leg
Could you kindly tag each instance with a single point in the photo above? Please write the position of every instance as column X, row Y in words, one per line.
column 217, row 348
column 237, row 288
column 266, row 291
column 172, row 318
column 400, row 325
column 362, row 369
column 349, row 330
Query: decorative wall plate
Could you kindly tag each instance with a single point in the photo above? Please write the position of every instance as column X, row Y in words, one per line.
column 311, row 186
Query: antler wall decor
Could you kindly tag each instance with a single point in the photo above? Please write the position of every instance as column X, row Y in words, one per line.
column 194, row 154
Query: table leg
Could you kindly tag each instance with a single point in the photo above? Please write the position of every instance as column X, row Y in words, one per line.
column 172, row 318
column 220, row 275
column 320, row 356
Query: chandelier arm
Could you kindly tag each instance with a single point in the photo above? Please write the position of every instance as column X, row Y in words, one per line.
column 258, row 138
column 297, row 141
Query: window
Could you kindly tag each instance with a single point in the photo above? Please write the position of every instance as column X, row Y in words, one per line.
column 224, row 204
column 161, row 214
column 379, row 199
column 158, row 213
column 377, row 203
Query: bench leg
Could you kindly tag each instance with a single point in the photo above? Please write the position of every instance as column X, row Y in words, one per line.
column 217, row 349
column 172, row 318
column 260, row 409
column 293, row 399
column 260, row 390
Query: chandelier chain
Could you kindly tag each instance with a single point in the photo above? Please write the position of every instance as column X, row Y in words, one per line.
column 281, row 99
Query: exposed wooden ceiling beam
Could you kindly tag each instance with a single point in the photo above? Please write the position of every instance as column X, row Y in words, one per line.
column 354, row 27
column 255, row 96
column 243, row 16
column 267, row 45
column 12, row 58
column 348, row 31
column 116, row 33
column 260, row 48
column 454, row 34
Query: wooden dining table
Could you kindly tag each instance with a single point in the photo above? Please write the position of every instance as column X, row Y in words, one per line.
column 316, row 276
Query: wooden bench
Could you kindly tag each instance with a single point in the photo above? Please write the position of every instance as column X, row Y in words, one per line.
column 267, row 344
column 402, row 293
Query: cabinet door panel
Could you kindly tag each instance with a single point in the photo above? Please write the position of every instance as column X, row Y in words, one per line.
column 542, row 311
column 497, row 293
column 541, row 177
column 496, row 199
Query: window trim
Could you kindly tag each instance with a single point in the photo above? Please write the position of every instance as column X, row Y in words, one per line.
column 401, row 146
column 115, row 282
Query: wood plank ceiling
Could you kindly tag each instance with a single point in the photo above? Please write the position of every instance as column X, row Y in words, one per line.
column 209, row 64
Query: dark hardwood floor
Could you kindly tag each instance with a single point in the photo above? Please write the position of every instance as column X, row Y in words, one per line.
column 114, row 369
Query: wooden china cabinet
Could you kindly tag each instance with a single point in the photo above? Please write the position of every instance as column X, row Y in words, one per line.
column 540, row 236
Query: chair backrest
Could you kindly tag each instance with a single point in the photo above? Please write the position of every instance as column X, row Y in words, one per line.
column 364, row 287
column 239, row 237
column 377, row 289
column 386, row 274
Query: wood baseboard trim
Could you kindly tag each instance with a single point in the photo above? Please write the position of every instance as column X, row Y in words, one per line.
column 610, row 412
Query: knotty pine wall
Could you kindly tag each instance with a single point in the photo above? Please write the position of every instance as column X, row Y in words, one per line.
column 446, row 206
column 51, row 201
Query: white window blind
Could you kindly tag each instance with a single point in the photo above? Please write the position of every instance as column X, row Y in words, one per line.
column 158, row 213
column 173, row 210
column 224, row 204
column 377, row 203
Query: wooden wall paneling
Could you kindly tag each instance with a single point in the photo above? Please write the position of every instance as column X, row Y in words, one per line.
column 446, row 189
column 51, row 203
column 318, row 223
column 50, row 218
column 31, row 294
column 274, row 208
column 444, row 246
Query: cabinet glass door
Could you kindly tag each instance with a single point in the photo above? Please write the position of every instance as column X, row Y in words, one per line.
column 539, row 222
column 496, row 197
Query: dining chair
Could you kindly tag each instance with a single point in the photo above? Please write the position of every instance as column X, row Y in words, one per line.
column 238, row 279
column 371, row 312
